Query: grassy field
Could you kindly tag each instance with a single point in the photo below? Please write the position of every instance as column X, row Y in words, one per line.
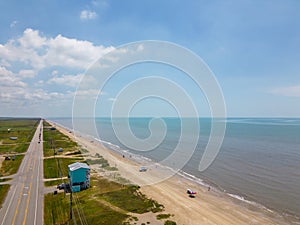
column 10, row 167
column 53, row 139
column 52, row 166
column 3, row 191
column 23, row 129
column 106, row 202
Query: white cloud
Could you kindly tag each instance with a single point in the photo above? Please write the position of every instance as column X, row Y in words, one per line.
column 32, row 39
column 73, row 53
column 87, row 15
column 291, row 91
column 9, row 79
column 27, row 73
column 67, row 80
column 39, row 52
column 34, row 55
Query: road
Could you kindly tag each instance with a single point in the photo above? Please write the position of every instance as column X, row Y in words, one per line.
column 24, row 203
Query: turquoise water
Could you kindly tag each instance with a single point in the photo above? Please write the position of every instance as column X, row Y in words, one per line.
column 259, row 159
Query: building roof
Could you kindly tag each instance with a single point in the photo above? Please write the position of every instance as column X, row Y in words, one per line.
column 78, row 165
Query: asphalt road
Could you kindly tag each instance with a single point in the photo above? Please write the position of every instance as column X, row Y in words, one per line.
column 24, row 202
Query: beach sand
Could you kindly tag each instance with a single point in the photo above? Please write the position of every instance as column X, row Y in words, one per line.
column 208, row 207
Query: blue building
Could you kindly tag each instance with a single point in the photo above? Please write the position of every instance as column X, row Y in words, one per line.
column 79, row 176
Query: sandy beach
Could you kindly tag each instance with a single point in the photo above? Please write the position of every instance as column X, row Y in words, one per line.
column 209, row 207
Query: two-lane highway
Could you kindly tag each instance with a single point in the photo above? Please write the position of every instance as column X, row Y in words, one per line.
column 24, row 202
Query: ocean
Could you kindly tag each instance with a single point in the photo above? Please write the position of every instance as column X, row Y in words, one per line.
column 259, row 161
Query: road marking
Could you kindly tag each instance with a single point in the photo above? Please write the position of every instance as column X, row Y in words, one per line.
column 37, row 192
column 16, row 185
column 27, row 204
column 9, row 205
column 19, row 200
column 28, row 198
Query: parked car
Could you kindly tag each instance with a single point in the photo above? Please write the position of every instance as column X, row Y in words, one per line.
column 63, row 186
column 143, row 169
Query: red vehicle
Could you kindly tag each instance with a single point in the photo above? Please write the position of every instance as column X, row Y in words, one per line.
column 191, row 193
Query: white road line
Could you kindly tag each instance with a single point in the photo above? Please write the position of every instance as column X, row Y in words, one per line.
column 9, row 206
column 37, row 186
column 37, row 192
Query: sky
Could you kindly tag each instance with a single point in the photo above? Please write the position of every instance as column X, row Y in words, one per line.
column 251, row 46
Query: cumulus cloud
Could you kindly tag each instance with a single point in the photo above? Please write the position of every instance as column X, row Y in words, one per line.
column 39, row 52
column 34, row 55
column 88, row 15
column 27, row 73
column 68, row 80
column 290, row 91
column 9, row 79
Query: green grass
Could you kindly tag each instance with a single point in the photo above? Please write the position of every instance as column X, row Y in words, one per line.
column 51, row 166
column 21, row 128
column 91, row 204
column 163, row 216
column 57, row 211
column 102, row 162
column 131, row 200
column 53, row 139
column 3, row 192
column 10, row 167
column 169, row 222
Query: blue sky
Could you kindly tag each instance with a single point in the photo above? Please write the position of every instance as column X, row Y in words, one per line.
column 251, row 46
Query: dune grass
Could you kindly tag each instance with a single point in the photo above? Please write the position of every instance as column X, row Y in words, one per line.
column 106, row 202
column 53, row 140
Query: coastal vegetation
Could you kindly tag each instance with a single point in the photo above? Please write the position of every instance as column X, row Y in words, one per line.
column 107, row 201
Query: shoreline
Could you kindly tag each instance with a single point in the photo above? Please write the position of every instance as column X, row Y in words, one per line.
column 218, row 206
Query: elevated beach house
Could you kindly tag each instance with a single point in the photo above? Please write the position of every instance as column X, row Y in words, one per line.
column 79, row 176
